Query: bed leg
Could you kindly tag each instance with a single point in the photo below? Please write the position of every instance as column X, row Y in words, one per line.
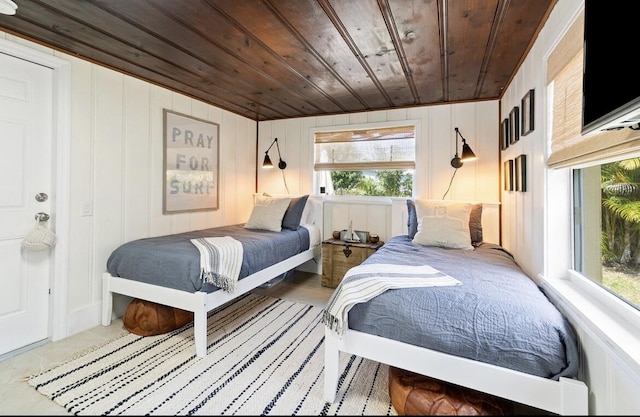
column 575, row 397
column 200, row 326
column 107, row 300
column 331, row 365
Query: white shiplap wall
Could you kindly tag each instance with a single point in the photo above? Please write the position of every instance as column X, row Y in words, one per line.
column 435, row 146
column 116, row 170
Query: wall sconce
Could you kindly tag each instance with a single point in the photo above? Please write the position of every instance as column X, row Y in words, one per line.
column 267, row 161
column 467, row 153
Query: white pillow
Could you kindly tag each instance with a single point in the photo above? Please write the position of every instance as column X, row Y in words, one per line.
column 267, row 213
column 443, row 224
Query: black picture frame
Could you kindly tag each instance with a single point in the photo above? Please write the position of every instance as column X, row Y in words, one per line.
column 514, row 125
column 508, row 175
column 528, row 109
column 504, row 134
column 521, row 173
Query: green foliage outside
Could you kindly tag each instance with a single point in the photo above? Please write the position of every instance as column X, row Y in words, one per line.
column 391, row 183
column 620, row 244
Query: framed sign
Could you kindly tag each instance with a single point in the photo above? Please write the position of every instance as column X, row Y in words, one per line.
column 514, row 125
column 528, row 107
column 191, row 161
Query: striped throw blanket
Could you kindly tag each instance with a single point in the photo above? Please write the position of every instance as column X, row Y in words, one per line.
column 220, row 261
column 363, row 282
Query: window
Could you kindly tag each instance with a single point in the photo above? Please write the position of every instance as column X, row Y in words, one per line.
column 607, row 226
column 377, row 161
column 606, row 187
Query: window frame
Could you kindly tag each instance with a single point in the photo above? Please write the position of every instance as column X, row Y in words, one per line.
column 592, row 309
column 583, row 258
column 367, row 126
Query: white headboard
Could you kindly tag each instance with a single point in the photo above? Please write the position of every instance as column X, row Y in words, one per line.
column 387, row 216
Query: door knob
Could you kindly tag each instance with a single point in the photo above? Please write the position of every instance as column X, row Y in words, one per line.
column 42, row 217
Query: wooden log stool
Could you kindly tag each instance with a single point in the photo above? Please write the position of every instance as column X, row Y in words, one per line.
column 414, row 394
column 146, row 318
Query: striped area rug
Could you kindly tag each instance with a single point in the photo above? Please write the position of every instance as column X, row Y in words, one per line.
column 265, row 356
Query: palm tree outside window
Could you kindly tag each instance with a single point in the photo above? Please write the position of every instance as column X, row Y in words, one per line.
column 607, row 227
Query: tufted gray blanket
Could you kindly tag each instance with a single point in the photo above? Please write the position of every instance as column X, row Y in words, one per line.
column 173, row 261
column 498, row 315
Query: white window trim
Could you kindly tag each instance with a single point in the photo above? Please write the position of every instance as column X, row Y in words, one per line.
column 610, row 320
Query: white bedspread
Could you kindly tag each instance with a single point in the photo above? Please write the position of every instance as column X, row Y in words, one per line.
column 220, row 261
column 363, row 282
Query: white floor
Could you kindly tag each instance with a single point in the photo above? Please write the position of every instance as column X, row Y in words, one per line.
column 17, row 397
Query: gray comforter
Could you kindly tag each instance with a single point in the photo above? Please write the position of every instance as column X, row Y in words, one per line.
column 173, row 261
column 498, row 316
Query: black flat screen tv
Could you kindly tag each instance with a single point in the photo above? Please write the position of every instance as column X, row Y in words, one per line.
column 611, row 83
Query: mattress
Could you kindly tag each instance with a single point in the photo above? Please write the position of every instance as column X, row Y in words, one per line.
column 173, row 261
column 498, row 315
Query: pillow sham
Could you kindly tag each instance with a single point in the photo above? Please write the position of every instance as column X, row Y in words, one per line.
column 293, row 214
column 267, row 213
column 475, row 221
column 444, row 224
column 443, row 231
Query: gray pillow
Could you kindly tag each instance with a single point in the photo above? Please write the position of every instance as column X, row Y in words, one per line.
column 475, row 222
column 412, row 219
column 292, row 216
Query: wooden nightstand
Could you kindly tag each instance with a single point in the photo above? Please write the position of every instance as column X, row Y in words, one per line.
column 339, row 256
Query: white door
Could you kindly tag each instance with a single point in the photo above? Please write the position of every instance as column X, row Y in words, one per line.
column 26, row 97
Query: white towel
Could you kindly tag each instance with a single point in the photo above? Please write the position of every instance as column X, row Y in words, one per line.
column 363, row 282
column 39, row 238
column 220, row 261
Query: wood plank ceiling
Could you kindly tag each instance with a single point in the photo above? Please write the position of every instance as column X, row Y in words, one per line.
column 278, row 59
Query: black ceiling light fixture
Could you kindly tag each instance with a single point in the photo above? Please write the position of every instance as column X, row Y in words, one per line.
column 267, row 161
column 467, row 153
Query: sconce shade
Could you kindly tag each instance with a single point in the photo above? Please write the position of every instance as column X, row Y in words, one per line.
column 267, row 161
column 467, row 153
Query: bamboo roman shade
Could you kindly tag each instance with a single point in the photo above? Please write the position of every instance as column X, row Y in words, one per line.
column 367, row 149
column 564, row 79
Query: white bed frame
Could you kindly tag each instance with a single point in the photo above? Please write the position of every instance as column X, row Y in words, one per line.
column 566, row 396
column 200, row 303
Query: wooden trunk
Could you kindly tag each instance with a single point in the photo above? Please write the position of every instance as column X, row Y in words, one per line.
column 339, row 256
